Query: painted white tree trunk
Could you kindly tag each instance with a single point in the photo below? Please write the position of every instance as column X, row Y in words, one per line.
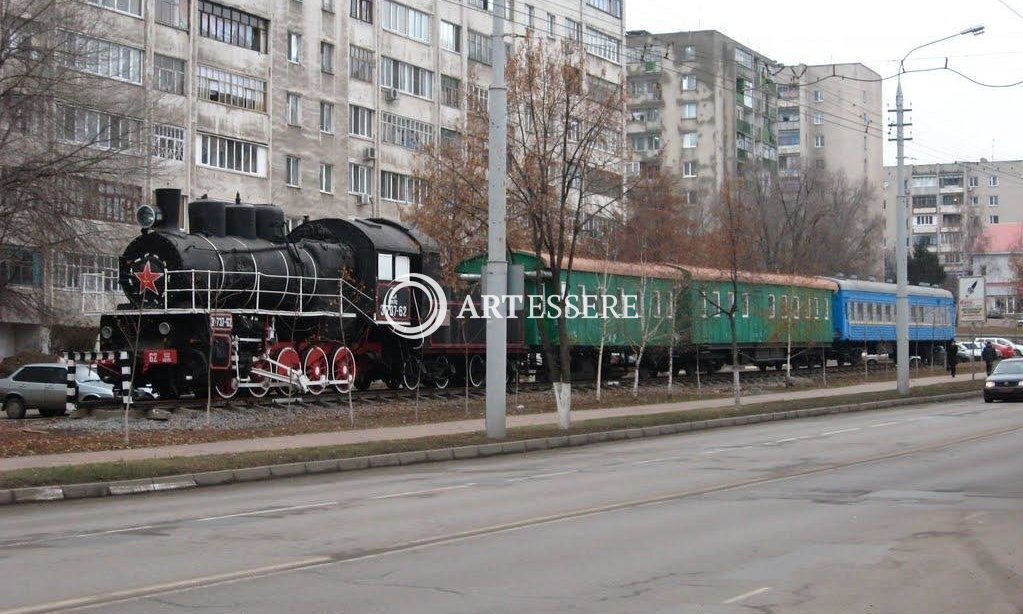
column 563, row 400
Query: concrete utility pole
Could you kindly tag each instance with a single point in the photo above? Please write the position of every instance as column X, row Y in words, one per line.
column 902, row 230
column 497, row 241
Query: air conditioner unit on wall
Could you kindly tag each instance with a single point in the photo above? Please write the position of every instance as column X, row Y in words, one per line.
column 365, row 199
column 390, row 94
column 370, row 153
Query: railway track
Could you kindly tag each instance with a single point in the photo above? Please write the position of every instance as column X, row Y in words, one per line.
column 378, row 396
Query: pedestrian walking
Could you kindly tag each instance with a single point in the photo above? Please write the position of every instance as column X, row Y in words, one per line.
column 952, row 356
column 988, row 354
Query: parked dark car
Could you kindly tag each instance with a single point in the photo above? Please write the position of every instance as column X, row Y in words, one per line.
column 1005, row 382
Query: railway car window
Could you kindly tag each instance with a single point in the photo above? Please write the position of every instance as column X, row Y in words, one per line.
column 784, row 306
column 656, row 304
column 745, row 305
column 385, row 267
column 401, row 267
column 717, row 304
column 706, row 301
column 771, row 311
column 731, row 302
column 795, row 307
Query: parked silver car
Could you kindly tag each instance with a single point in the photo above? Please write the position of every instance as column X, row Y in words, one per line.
column 43, row 386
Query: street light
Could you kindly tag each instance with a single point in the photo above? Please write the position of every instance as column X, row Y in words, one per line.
column 902, row 213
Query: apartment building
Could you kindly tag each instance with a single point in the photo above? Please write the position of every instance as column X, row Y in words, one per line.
column 702, row 106
column 951, row 205
column 318, row 106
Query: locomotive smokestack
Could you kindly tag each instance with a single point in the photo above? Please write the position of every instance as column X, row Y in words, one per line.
column 168, row 202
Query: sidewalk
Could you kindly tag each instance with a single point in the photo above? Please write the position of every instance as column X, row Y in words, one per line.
column 425, row 430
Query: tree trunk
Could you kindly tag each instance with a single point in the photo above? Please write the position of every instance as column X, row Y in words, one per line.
column 600, row 362
column 635, row 373
column 735, row 361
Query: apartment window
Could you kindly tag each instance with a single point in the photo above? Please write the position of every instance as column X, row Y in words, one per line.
column 925, row 181
column 292, row 171
column 232, row 26
column 231, row 154
column 573, row 30
column 168, row 142
column 103, row 58
column 992, row 201
column 98, row 129
column 689, row 140
column 992, row 219
column 689, row 110
column 993, row 181
column 479, row 47
column 974, row 181
column 169, row 74
column 450, row 36
column 818, row 119
column 645, row 115
column 294, row 109
column 688, row 83
column 603, row 45
column 552, row 24
column 688, row 53
column 530, row 16
column 72, row 268
column 326, row 57
column 613, row 7
column 326, row 117
column 406, row 21
column 476, row 98
column 294, row 47
column 362, row 10
column 326, row 178
column 927, row 200
column 360, row 179
column 974, row 201
column 405, row 131
column 924, row 220
column 128, row 7
column 328, row 5
column 173, row 13
column 360, row 121
column 646, row 142
column 360, row 63
column 400, row 188
column 743, row 58
column 231, row 89
column 450, row 138
column 406, row 77
column 689, row 169
column 450, row 92
column 818, row 95
column 818, row 141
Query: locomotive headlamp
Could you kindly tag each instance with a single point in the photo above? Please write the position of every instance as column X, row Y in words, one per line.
column 147, row 216
column 164, row 328
column 106, row 332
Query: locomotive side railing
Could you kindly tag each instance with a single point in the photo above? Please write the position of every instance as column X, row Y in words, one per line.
column 255, row 293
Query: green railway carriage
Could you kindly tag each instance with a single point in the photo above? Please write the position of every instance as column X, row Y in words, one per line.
column 600, row 284
column 773, row 313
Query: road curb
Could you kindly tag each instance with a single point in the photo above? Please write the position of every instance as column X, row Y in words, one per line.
column 251, row 474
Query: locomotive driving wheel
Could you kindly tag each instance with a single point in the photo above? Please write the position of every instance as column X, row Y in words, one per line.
column 226, row 385
column 289, row 363
column 316, row 369
column 262, row 382
column 342, row 367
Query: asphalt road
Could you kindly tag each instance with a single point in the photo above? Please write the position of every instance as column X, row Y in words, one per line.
column 912, row 510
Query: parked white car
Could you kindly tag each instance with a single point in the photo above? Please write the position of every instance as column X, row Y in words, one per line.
column 969, row 349
column 1017, row 349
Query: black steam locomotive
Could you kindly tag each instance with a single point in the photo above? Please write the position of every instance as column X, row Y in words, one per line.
column 239, row 303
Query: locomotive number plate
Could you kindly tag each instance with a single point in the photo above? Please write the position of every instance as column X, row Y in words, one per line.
column 159, row 357
column 221, row 322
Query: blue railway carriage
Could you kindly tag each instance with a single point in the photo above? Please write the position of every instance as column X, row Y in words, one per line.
column 864, row 319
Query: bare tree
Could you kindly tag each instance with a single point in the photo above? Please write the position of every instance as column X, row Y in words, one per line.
column 565, row 157
column 71, row 140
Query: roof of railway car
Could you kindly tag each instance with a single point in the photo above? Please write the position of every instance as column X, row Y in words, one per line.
column 885, row 288
column 387, row 237
column 770, row 279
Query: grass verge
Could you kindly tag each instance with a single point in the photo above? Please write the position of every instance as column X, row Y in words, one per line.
column 158, row 467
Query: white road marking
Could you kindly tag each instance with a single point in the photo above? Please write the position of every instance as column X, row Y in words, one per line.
column 855, row 428
column 541, row 475
column 743, row 596
column 974, row 515
column 77, row 535
column 879, row 425
column 657, row 460
column 424, row 492
column 268, row 511
column 788, row 439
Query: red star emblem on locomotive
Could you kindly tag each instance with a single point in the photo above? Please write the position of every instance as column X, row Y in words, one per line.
column 147, row 279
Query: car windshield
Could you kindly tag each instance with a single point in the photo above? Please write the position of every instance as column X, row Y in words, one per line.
column 85, row 373
column 1009, row 368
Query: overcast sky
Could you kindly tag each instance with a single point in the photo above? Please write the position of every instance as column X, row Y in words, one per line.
column 953, row 119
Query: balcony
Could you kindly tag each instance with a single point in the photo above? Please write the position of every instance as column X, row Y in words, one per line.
column 742, row 154
column 744, row 127
column 650, row 67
